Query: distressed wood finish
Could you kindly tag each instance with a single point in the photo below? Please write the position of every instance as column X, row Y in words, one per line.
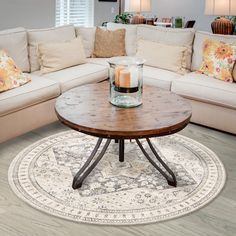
column 87, row 109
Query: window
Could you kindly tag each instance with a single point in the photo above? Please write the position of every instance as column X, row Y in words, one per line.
column 77, row 12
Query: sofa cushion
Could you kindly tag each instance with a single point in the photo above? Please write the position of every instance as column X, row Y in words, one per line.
column 78, row 75
column 36, row 36
column 109, row 43
column 130, row 36
column 163, row 56
column 38, row 90
column 200, row 37
column 218, row 60
column 177, row 37
column 206, row 89
column 57, row 56
column 99, row 61
column 158, row 77
column 11, row 76
column 14, row 41
column 88, row 38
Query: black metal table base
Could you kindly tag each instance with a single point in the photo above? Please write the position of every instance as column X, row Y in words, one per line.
column 88, row 167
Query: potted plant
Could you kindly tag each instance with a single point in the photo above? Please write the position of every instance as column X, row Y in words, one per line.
column 123, row 18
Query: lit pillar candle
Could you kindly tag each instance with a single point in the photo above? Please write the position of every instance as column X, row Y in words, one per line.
column 118, row 69
column 124, row 79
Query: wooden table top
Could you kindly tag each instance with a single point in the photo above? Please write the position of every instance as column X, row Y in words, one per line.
column 87, row 109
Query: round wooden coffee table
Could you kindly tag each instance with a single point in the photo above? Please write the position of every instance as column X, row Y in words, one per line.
column 87, row 110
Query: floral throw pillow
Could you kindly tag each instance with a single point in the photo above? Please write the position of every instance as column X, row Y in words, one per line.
column 218, row 60
column 10, row 75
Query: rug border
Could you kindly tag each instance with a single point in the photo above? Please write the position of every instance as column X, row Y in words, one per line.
column 20, row 196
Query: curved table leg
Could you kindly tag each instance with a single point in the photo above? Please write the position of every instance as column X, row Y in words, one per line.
column 78, row 179
column 171, row 179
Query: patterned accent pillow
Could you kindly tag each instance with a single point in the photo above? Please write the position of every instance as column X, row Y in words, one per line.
column 109, row 43
column 11, row 76
column 218, row 60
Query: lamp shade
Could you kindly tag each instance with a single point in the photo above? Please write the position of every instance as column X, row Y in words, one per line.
column 220, row 7
column 137, row 5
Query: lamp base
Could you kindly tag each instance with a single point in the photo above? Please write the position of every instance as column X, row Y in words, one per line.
column 222, row 26
column 138, row 19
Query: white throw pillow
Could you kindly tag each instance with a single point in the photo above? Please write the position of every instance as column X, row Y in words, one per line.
column 57, row 56
column 88, row 36
column 163, row 56
column 130, row 36
column 170, row 36
column 14, row 41
column 36, row 36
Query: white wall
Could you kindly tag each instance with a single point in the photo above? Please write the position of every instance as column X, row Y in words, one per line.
column 105, row 11
column 41, row 13
column 27, row 13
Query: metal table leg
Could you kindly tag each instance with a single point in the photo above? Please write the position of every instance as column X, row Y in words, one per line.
column 121, row 150
column 82, row 173
column 87, row 168
column 169, row 176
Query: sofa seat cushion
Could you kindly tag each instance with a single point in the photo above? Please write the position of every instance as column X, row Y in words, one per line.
column 159, row 77
column 206, row 89
column 38, row 90
column 78, row 75
column 99, row 61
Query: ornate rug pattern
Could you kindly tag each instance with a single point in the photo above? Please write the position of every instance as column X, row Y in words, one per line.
column 115, row 193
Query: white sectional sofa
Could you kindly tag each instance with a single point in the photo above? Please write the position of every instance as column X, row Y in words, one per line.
column 32, row 105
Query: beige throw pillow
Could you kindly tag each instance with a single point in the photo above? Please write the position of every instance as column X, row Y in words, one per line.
column 170, row 36
column 49, row 35
column 109, row 43
column 163, row 56
column 57, row 56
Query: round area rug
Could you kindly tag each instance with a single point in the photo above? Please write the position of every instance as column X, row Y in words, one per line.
column 115, row 193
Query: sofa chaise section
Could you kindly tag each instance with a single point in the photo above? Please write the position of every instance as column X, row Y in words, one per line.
column 27, row 107
column 213, row 101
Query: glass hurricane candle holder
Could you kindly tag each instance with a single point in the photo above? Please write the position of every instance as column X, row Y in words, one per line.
column 126, row 81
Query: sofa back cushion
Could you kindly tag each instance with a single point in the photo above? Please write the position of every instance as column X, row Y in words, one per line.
column 200, row 37
column 130, row 36
column 57, row 56
column 88, row 38
column 174, row 37
column 163, row 56
column 14, row 41
column 36, row 36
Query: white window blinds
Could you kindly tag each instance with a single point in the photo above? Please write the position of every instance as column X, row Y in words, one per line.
column 77, row 12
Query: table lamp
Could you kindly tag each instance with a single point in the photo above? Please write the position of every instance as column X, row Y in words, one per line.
column 221, row 8
column 138, row 6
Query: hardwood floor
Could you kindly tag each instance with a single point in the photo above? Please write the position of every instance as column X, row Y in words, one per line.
column 216, row 219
